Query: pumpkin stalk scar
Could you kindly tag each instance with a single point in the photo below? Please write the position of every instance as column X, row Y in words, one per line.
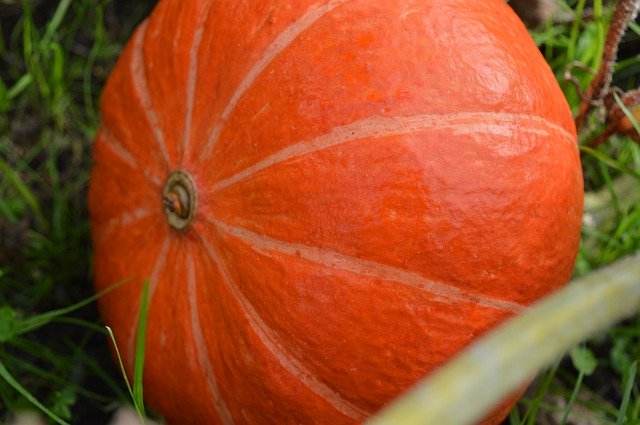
column 270, row 340
column 141, row 87
column 203, row 354
column 496, row 123
column 172, row 203
column 155, row 276
column 443, row 292
column 281, row 42
column 179, row 199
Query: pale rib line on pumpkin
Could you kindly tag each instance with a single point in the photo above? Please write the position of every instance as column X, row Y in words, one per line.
column 203, row 354
column 193, row 75
column 141, row 87
column 121, row 152
column 281, row 42
column 153, row 282
column 270, row 341
column 498, row 123
column 116, row 147
column 325, row 257
column 123, row 219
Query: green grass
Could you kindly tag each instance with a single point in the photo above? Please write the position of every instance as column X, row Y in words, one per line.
column 54, row 59
column 55, row 356
column 608, row 388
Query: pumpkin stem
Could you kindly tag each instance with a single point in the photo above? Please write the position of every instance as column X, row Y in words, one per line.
column 179, row 199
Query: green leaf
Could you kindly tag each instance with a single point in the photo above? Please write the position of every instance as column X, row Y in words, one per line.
column 63, row 401
column 8, row 323
column 584, row 360
column 619, row 355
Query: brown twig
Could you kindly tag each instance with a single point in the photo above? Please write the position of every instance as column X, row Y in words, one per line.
column 617, row 120
column 631, row 100
column 609, row 131
column 625, row 11
column 568, row 76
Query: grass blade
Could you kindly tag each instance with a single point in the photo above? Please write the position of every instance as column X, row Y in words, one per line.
column 136, row 392
column 572, row 399
column 622, row 413
column 140, row 350
column 119, row 357
column 600, row 32
column 609, row 161
column 24, row 191
column 530, row 416
column 627, row 112
column 37, row 321
column 575, row 31
column 4, row 374
column 20, row 86
column 56, row 20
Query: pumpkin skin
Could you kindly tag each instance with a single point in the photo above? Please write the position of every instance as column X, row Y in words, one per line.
column 375, row 184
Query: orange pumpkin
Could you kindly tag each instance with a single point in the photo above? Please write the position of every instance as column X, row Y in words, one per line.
column 330, row 198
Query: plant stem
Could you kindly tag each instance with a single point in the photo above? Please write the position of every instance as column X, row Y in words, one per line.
column 625, row 11
column 500, row 362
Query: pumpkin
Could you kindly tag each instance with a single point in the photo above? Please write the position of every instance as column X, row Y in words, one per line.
column 329, row 198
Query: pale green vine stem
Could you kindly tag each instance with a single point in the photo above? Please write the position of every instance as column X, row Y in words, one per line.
column 468, row 387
